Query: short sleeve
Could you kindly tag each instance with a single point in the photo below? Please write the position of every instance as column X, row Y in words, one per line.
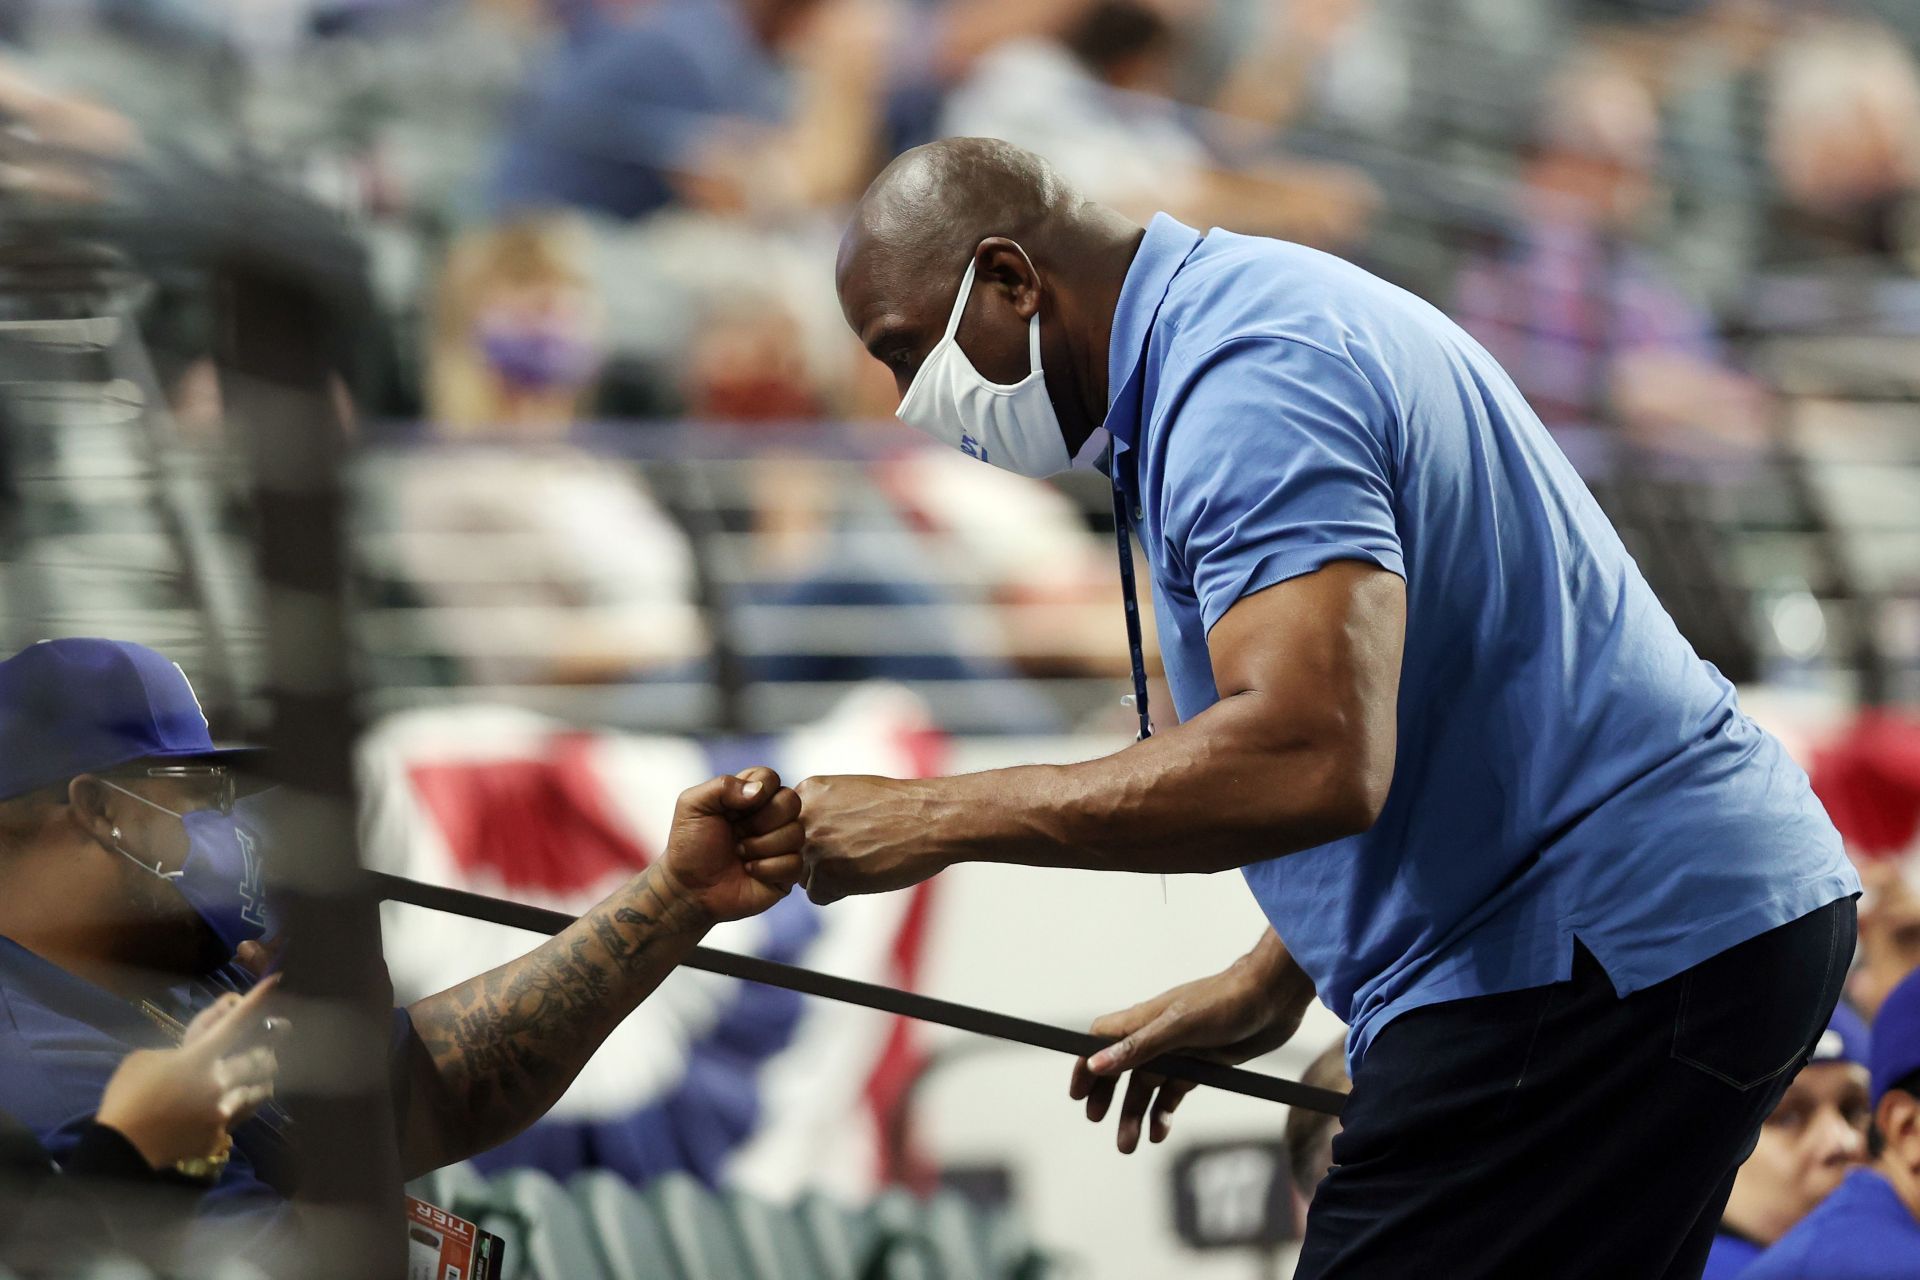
column 1276, row 463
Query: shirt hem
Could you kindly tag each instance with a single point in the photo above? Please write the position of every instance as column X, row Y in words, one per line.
column 1553, row 955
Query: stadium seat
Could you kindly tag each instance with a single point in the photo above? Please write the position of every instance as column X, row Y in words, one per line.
column 625, row 1227
column 699, row 1229
column 1010, row 1250
column 905, row 1250
column 774, row 1240
column 453, row 1187
column 559, row 1237
column 959, row 1235
column 842, row 1238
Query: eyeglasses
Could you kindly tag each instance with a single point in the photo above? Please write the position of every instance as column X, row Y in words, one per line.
column 216, row 782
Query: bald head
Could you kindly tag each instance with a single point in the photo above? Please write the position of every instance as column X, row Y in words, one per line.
column 1035, row 245
column 929, row 208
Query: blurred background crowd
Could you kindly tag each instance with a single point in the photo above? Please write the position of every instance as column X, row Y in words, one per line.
column 602, row 235
column 619, row 463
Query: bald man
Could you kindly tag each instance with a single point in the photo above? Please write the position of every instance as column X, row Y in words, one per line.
column 1584, row 919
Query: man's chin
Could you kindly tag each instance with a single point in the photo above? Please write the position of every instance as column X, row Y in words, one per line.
column 168, row 935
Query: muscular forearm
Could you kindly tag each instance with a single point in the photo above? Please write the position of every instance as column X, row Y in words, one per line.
column 1224, row 789
column 498, row 1050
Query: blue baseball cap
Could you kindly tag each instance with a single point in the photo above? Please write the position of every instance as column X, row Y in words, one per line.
column 1896, row 1037
column 1846, row 1039
column 77, row 706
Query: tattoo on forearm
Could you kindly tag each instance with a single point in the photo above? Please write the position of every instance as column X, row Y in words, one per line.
column 507, row 1043
column 631, row 931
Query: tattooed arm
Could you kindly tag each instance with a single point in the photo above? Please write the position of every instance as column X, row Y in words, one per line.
column 493, row 1053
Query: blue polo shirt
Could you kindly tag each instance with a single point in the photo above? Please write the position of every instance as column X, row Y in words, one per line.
column 1567, row 768
column 615, row 118
column 1860, row 1232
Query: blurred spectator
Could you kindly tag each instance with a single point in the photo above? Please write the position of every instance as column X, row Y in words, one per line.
column 1889, row 933
column 1868, row 778
column 1027, row 546
column 1310, row 1134
column 1584, row 317
column 845, row 590
column 730, row 106
column 1714, row 96
column 515, row 341
column 1869, row 1228
column 748, row 362
column 1816, row 1133
column 1096, row 102
column 1626, row 369
column 546, row 563
column 1297, row 58
column 1843, row 136
column 576, row 20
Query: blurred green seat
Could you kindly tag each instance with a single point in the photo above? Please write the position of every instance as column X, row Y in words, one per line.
column 600, row 1228
column 702, row 1234
column 559, row 1238
column 1011, row 1252
column 960, row 1238
column 842, row 1238
column 626, row 1229
column 774, row 1240
column 904, row 1249
column 453, row 1187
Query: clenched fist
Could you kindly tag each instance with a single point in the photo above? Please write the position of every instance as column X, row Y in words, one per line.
column 867, row 835
column 734, row 847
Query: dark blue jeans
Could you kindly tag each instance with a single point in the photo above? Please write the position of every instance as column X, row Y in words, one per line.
column 1564, row 1131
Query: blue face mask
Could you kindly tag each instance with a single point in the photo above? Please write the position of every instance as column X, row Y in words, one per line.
column 220, row 878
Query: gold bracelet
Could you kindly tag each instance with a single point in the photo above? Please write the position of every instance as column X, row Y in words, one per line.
column 207, row 1168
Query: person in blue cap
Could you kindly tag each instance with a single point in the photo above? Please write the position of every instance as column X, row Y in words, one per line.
column 131, row 876
column 1869, row 1228
column 1815, row 1135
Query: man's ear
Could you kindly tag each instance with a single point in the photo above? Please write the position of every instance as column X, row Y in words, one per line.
column 1898, row 1120
column 88, row 801
column 1002, row 264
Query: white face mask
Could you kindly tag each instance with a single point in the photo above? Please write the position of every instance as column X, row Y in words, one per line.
column 1011, row 425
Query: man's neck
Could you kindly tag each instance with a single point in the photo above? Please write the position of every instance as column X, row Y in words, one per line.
column 1111, row 243
column 87, row 963
column 92, row 946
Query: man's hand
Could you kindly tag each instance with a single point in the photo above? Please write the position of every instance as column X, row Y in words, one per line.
column 866, row 835
column 178, row 1104
column 1252, row 1007
column 734, row 847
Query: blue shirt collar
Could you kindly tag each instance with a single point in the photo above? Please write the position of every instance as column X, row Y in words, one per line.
column 1162, row 253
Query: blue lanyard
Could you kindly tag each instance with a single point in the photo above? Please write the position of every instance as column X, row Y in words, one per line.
column 1131, row 596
